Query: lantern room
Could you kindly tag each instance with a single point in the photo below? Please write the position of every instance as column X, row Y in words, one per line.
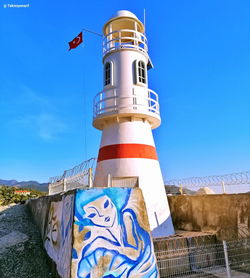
column 124, row 30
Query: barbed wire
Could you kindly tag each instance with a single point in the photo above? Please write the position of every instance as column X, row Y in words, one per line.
column 239, row 178
column 228, row 179
column 78, row 170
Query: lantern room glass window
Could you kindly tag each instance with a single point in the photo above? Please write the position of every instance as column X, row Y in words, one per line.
column 108, row 74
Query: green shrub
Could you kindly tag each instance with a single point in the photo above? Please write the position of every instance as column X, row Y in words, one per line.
column 8, row 196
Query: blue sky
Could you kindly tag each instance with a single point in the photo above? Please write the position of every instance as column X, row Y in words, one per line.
column 201, row 56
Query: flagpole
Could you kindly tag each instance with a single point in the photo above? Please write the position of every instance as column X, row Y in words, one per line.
column 73, row 44
column 84, row 103
column 144, row 19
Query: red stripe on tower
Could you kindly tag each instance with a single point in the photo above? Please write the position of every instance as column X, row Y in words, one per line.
column 127, row 151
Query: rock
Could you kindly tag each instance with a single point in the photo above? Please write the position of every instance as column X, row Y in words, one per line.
column 204, row 191
column 21, row 247
column 12, row 239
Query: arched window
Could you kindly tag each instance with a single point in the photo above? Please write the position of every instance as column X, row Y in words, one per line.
column 141, row 72
column 108, row 74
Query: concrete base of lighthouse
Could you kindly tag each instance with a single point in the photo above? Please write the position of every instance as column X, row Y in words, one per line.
column 127, row 150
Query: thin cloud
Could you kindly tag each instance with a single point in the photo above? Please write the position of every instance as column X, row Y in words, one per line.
column 38, row 115
column 45, row 125
column 49, row 127
column 30, row 96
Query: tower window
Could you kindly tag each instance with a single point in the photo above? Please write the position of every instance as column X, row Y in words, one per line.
column 108, row 74
column 141, row 72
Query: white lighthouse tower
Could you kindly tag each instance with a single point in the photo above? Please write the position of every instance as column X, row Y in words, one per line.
column 126, row 111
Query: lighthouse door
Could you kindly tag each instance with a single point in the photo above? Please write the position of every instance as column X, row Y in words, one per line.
column 125, row 182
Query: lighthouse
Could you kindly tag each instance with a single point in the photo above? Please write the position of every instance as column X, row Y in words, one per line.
column 126, row 111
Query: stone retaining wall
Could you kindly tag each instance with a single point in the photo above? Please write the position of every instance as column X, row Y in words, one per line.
column 228, row 215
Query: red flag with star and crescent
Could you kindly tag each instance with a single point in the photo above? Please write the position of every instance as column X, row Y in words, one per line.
column 75, row 42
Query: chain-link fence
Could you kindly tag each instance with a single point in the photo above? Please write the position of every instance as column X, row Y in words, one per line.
column 229, row 183
column 223, row 259
column 81, row 176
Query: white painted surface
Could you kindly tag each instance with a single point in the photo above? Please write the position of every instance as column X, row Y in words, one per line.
column 122, row 20
column 148, row 170
column 124, row 13
column 123, row 123
column 150, row 181
column 123, row 62
column 125, row 96
column 136, row 132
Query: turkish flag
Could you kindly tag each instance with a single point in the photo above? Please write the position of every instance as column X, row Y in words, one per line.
column 75, row 42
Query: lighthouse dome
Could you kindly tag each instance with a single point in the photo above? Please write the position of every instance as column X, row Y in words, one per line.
column 124, row 13
column 123, row 19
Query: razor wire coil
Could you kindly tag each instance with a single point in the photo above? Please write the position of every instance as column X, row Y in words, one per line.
column 76, row 172
column 228, row 179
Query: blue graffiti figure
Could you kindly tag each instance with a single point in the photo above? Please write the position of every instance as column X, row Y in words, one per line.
column 114, row 243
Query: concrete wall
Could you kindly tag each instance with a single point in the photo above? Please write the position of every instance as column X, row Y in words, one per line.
column 98, row 232
column 228, row 215
column 54, row 217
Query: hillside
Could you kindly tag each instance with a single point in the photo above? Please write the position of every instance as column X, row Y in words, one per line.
column 10, row 194
column 26, row 184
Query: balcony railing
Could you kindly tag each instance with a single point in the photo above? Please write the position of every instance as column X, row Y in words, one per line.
column 124, row 39
column 111, row 102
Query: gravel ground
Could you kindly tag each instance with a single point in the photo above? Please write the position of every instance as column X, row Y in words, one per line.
column 21, row 250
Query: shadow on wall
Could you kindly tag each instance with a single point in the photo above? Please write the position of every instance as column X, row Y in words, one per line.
column 228, row 215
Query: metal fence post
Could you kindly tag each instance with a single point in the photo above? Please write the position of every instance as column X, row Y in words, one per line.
column 223, row 187
column 109, row 180
column 90, row 178
column 181, row 189
column 64, row 185
column 226, row 259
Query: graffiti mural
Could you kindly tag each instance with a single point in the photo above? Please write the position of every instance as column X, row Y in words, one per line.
column 58, row 234
column 111, row 235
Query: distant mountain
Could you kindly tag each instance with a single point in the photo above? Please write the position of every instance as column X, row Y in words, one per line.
column 175, row 190
column 8, row 182
column 26, row 184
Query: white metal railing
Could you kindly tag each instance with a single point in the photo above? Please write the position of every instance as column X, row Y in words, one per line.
column 125, row 38
column 108, row 102
column 80, row 176
column 81, row 180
